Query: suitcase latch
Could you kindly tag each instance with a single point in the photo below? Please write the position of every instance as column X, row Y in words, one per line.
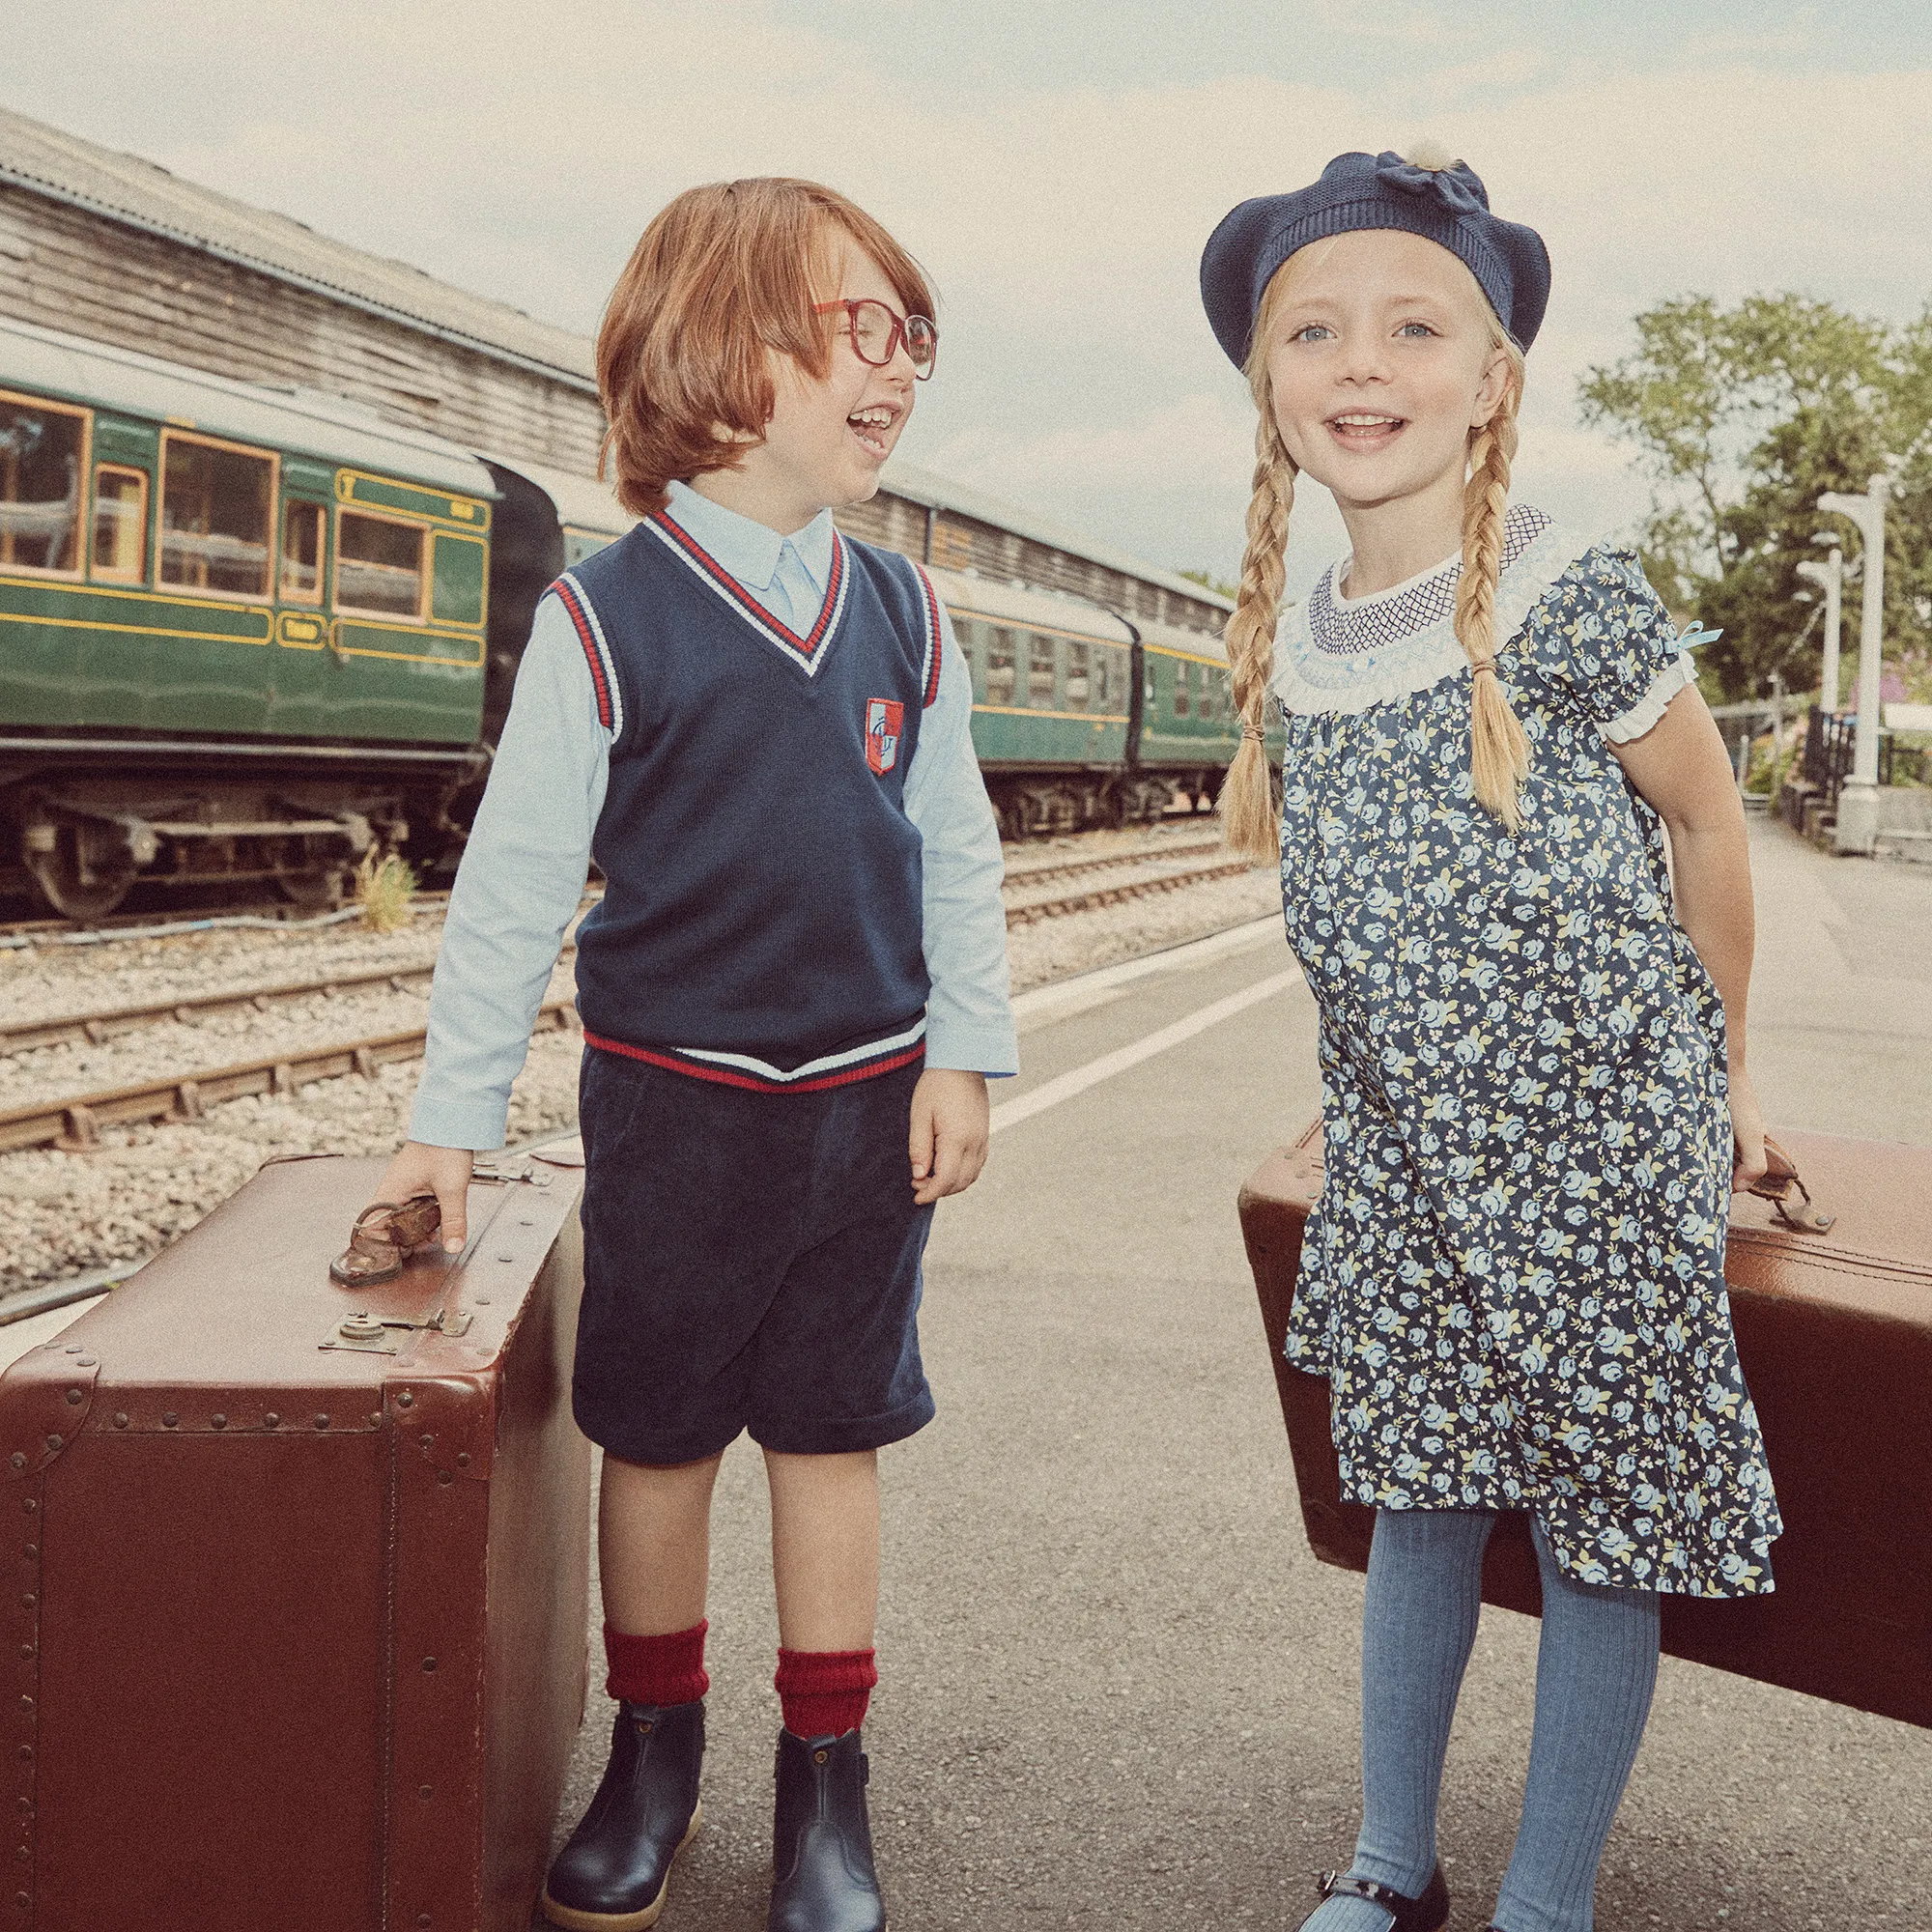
column 382, row 1334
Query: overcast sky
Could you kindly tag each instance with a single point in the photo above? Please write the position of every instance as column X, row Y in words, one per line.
column 1057, row 168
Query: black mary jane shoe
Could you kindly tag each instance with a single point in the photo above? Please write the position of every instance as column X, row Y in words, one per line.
column 823, row 1879
column 611, row 1876
column 1429, row 1913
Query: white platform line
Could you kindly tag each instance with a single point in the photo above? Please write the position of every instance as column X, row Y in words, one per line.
column 1050, row 1095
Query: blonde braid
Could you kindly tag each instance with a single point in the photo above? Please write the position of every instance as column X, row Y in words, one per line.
column 1248, row 819
column 1499, row 752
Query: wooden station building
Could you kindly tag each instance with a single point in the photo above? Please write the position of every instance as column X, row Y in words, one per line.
column 112, row 247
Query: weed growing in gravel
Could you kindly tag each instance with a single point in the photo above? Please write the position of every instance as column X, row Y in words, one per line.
column 384, row 890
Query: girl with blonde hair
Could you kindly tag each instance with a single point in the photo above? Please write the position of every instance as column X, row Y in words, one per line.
column 1534, row 1095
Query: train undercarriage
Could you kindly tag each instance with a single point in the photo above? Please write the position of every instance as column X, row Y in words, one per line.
column 1040, row 805
column 81, row 840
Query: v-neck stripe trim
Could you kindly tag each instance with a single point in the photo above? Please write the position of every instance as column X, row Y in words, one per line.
column 809, row 650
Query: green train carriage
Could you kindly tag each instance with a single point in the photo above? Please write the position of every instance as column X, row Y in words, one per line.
column 249, row 633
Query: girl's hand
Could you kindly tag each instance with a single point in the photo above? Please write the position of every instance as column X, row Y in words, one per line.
column 1747, row 1162
column 443, row 1172
column 950, row 1132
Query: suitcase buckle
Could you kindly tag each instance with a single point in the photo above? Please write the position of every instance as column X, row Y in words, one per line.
column 362, row 1333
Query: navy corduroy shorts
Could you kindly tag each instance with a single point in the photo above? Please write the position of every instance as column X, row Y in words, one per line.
column 751, row 1261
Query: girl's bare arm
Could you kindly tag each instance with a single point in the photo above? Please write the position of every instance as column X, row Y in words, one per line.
column 1681, row 767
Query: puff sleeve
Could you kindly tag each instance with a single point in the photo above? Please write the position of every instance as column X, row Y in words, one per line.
column 1604, row 638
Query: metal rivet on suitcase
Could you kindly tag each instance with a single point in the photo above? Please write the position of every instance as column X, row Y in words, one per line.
column 425, row 1790
column 527, row 1223
column 422, row 1918
column 19, row 1460
column 273, row 1420
column 506, row 1257
column 170, row 1419
column 218, row 1421
column 27, row 1702
column 375, row 1418
column 119, row 1420
column 406, row 1400
column 429, row 1664
column 463, row 1459
column 31, row 1505
column 74, row 1395
column 53, row 1442
column 86, row 1362
column 32, row 1549
column 443, row 1477
column 429, row 1442
column 482, row 1301
column 321, row 1422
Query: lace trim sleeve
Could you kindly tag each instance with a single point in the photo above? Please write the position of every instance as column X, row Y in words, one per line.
column 1649, row 710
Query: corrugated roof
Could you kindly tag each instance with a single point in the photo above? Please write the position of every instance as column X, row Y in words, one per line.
column 1012, row 603
column 331, row 427
column 124, row 188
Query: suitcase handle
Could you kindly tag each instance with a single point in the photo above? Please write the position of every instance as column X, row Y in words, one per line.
column 1781, row 1185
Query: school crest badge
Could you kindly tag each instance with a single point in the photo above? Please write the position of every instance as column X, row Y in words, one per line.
column 884, row 721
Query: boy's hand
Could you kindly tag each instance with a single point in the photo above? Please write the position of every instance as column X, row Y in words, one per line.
column 950, row 1131
column 443, row 1172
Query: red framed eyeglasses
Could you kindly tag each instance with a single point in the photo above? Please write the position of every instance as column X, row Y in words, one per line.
column 877, row 332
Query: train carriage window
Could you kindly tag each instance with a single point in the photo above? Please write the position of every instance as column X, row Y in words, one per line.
column 1002, row 678
column 379, row 566
column 1041, row 655
column 42, row 452
column 120, row 524
column 1183, row 677
column 217, row 515
column 966, row 634
column 301, row 553
column 1078, row 687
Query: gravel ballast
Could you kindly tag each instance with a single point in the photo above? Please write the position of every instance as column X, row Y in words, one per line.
column 71, row 1213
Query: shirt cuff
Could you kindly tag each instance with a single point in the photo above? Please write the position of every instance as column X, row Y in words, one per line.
column 476, row 1124
column 1649, row 709
column 991, row 1050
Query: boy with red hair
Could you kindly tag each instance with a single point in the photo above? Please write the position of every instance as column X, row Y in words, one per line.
column 793, row 991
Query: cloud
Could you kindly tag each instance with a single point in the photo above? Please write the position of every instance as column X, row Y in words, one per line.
column 1063, row 220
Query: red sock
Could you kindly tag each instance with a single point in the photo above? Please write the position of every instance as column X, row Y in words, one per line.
column 824, row 1693
column 668, row 1669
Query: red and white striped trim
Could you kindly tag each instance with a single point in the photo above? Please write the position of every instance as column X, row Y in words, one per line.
column 809, row 650
column 582, row 615
column 761, row 1076
column 928, row 678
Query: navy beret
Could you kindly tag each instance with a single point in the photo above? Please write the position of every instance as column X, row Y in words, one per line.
column 1447, row 205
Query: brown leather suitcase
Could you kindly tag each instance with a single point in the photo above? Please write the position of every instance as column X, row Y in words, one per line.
column 298, row 1613
column 1835, row 1332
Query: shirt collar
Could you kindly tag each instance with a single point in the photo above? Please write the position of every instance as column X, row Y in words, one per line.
column 751, row 551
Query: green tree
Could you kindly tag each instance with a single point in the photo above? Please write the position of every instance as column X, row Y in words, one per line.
column 1744, row 416
column 1208, row 581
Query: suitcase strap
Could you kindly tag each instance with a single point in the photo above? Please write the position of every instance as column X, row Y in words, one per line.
column 1781, row 1185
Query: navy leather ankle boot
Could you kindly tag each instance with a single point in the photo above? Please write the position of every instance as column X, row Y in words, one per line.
column 822, row 1874
column 610, row 1877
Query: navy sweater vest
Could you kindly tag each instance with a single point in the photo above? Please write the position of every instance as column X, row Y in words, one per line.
column 761, row 920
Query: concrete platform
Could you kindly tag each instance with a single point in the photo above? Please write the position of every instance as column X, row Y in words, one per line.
column 1117, row 1691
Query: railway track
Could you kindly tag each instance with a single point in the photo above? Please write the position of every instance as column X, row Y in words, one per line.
column 1074, row 868
column 75, row 1121
column 1121, row 891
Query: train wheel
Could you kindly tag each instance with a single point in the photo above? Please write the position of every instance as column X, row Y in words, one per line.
column 58, row 874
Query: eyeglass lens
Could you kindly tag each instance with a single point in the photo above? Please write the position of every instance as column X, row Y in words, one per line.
column 874, row 328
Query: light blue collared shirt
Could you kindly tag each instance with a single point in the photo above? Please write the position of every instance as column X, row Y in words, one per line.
column 528, row 852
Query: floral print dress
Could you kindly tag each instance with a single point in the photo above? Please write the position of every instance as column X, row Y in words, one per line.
column 1514, row 1277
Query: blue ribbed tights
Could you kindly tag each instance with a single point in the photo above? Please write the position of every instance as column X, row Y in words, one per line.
column 1596, row 1668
